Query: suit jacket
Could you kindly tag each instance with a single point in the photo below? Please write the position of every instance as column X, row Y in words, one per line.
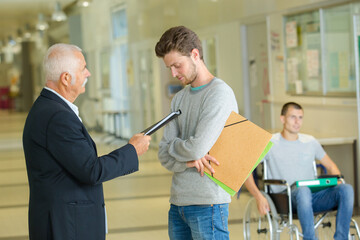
column 65, row 173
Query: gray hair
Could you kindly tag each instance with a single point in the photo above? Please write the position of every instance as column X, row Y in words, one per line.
column 61, row 58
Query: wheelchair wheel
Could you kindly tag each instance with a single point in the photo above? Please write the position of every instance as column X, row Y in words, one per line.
column 327, row 227
column 257, row 226
column 354, row 233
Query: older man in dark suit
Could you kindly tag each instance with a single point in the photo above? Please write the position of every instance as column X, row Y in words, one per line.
column 64, row 171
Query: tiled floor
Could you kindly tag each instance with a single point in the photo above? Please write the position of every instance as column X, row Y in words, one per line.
column 137, row 204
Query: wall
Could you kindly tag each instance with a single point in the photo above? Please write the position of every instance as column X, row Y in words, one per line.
column 228, row 55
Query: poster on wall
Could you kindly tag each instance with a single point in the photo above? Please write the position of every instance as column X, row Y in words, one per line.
column 344, row 69
column 339, row 70
column 312, row 63
column 334, row 69
column 292, row 70
column 275, row 41
column 291, row 34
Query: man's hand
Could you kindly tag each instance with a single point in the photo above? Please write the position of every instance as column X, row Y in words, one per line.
column 141, row 143
column 203, row 163
column 262, row 205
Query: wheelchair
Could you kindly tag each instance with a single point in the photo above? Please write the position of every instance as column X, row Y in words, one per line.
column 280, row 219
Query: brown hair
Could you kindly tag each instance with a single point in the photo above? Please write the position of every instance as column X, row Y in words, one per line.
column 289, row 104
column 180, row 39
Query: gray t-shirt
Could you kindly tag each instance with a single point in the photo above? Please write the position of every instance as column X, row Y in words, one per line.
column 292, row 160
column 191, row 136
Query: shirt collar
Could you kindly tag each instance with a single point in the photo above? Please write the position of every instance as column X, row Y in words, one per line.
column 71, row 105
column 197, row 88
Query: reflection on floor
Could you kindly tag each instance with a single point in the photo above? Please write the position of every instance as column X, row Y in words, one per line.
column 137, row 204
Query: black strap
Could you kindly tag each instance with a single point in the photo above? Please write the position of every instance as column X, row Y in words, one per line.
column 236, row 123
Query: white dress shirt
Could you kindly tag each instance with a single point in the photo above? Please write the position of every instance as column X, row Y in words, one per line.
column 71, row 105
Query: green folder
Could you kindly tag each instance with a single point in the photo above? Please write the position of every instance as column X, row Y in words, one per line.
column 316, row 185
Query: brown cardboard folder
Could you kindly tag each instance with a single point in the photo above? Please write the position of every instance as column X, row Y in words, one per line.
column 239, row 149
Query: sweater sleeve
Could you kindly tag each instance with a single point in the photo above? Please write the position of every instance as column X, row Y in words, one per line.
column 166, row 160
column 217, row 105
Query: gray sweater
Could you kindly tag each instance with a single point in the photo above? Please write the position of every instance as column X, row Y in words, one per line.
column 293, row 160
column 191, row 136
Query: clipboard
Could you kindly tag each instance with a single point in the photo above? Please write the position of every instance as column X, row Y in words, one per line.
column 239, row 149
column 153, row 128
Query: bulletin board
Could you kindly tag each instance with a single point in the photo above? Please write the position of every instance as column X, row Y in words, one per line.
column 319, row 52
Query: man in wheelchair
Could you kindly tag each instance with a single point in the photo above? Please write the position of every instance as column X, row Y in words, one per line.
column 291, row 158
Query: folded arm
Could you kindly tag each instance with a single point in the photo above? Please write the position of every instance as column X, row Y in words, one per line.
column 213, row 115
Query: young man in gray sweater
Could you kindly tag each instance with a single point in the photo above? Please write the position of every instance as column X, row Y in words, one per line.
column 199, row 207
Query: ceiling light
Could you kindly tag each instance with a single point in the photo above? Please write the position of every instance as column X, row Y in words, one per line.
column 41, row 25
column 84, row 3
column 58, row 15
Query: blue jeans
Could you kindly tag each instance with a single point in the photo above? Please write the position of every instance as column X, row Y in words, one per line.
column 306, row 203
column 199, row 222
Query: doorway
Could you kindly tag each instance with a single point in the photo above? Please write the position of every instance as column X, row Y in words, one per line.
column 256, row 74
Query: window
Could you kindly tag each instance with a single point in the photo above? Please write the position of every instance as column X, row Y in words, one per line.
column 119, row 23
column 319, row 52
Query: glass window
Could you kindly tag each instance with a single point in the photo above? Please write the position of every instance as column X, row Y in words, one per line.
column 319, row 52
column 119, row 23
column 339, row 57
column 303, row 51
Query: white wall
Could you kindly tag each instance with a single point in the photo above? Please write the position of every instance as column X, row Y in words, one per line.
column 228, row 55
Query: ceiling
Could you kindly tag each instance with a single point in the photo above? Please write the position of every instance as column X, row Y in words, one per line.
column 15, row 14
